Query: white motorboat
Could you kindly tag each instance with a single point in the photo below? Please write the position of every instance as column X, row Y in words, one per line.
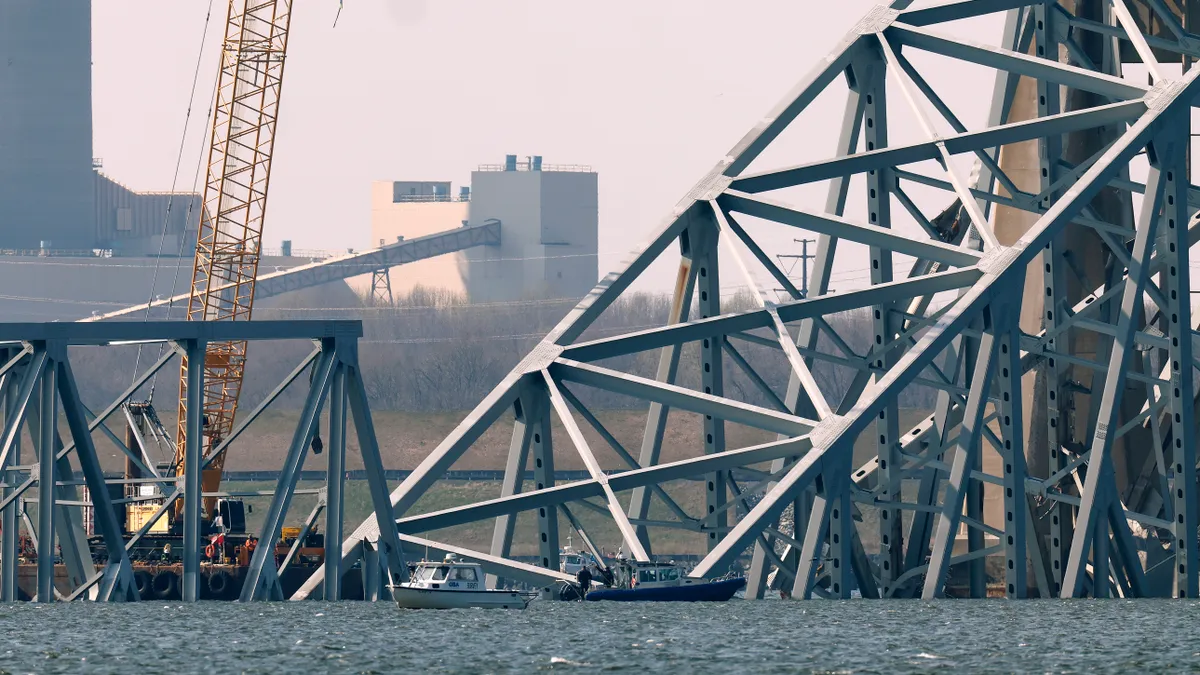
column 571, row 561
column 453, row 584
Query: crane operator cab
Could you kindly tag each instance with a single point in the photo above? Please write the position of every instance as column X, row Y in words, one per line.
column 229, row 517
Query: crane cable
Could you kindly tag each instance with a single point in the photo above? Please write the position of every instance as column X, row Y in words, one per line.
column 174, row 183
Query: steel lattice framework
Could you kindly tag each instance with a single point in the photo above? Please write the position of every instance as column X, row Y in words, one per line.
column 1065, row 394
column 36, row 378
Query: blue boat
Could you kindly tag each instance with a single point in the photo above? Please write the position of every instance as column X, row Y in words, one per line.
column 658, row 582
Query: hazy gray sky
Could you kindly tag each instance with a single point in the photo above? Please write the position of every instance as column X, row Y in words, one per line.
column 649, row 92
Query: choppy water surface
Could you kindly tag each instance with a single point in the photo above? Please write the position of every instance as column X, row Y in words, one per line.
column 770, row 636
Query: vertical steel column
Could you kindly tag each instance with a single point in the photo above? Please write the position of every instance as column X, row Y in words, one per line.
column 23, row 401
column 1100, row 562
column 802, row 508
column 976, row 567
column 1012, row 433
column 335, row 481
column 73, row 549
column 708, row 287
column 1183, row 388
column 887, row 430
column 514, row 477
column 193, row 451
column 841, row 525
column 812, row 548
column 969, row 446
column 1100, row 496
column 9, row 524
column 543, row 476
column 48, row 409
column 976, row 571
column 668, row 366
column 1050, row 149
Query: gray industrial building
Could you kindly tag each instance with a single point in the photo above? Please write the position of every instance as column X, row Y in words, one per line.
column 130, row 223
column 550, row 216
column 52, row 196
column 47, row 190
column 549, row 222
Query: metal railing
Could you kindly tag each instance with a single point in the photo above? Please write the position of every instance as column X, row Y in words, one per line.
column 57, row 252
column 546, row 168
column 311, row 253
column 397, row 199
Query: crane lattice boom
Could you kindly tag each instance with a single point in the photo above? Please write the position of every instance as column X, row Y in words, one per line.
column 235, row 200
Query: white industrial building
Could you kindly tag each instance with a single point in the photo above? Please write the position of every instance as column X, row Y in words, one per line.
column 549, row 217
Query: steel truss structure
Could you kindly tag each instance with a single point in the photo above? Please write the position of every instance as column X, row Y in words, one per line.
column 1025, row 416
column 37, row 378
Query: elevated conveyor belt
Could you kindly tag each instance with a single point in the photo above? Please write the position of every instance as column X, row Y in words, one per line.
column 344, row 267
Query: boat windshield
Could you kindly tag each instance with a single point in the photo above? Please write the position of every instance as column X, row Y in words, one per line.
column 649, row 574
column 573, row 560
column 432, row 573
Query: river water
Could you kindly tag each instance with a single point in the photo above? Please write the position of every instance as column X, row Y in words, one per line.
column 769, row 636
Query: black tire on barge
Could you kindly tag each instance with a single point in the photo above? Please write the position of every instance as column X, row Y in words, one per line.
column 219, row 584
column 144, row 584
column 166, row 585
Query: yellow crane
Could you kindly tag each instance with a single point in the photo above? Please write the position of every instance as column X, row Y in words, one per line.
column 245, row 117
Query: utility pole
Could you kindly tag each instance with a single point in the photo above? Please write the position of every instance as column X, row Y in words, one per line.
column 803, row 258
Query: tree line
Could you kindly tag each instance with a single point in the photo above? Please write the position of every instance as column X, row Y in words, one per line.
column 432, row 351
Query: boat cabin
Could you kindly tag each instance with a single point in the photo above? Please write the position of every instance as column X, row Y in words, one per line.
column 634, row 574
column 658, row 575
column 450, row 574
column 570, row 561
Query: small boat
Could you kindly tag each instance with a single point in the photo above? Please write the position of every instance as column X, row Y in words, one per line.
column 453, row 584
column 571, row 561
column 664, row 582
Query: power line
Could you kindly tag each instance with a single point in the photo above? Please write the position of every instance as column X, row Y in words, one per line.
column 171, row 199
column 186, row 263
